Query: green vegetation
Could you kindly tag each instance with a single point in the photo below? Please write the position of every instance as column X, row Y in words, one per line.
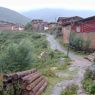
column 26, row 50
column 78, row 44
column 89, row 80
column 17, row 56
column 51, row 31
column 78, row 51
column 12, row 16
column 28, row 26
column 17, row 49
column 70, row 90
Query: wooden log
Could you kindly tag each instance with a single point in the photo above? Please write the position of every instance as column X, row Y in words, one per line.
column 24, row 73
column 31, row 93
column 35, row 89
column 39, row 88
column 42, row 88
column 26, row 77
column 9, row 80
column 5, row 76
column 18, row 75
column 32, row 85
column 29, row 79
column 24, row 92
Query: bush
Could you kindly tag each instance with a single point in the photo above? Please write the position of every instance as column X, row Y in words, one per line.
column 70, row 90
column 28, row 26
column 89, row 80
column 17, row 57
column 36, row 36
column 79, row 44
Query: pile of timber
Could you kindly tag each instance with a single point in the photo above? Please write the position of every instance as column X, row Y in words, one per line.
column 90, row 57
column 31, row 82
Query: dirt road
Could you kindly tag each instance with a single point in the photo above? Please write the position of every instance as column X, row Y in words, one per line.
column 79, row 63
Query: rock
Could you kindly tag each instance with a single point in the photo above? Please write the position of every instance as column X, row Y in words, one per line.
column 54, row 68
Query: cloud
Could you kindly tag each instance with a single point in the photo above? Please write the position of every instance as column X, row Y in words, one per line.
column 25, row 5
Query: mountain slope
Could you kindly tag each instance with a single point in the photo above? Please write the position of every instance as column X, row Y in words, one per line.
column 53, row 14
column 12, row 16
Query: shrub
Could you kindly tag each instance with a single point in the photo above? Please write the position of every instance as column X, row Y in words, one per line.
column 70, row 90
column 36, row 36
column 77, row 43
column 49, row 73
column 28, row 26
column 89, row 80
column 17, row 57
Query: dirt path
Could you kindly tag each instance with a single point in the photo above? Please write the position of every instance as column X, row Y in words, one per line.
column 79, row 63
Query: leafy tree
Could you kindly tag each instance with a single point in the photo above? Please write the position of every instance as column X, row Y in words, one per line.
column 17, row 57
column 28, row 26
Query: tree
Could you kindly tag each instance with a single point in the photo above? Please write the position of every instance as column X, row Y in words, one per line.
column 28, row 26
column 18, row 56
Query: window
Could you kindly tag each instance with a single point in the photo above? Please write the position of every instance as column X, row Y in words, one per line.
column 78, row 28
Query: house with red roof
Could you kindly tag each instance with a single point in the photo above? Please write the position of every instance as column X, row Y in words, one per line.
column 84, row 29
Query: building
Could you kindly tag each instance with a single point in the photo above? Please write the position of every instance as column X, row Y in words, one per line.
column 52, row 25
column 64, row 24
column 37, row 25
column 84, row 29
column 66, row 20
column 10, row 26
column 45, row 25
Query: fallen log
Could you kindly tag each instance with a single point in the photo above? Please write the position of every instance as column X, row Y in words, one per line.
column 18, row 75
column 9, row 80
column 42, row 88
column 24, row 92
column 37, row 87
column 30, row 78
column 10, row 76
column 32, row 85
column 25, row 73
column 30, row 82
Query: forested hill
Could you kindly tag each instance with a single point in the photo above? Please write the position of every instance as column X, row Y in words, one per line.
column 12, row 16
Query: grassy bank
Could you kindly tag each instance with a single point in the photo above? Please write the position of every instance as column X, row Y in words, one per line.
column 89, row 80
column 70, row 90
column 26, row 50
column 81, row 53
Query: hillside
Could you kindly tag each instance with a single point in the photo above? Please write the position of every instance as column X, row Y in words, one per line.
column 53, row 14
column 12, row 16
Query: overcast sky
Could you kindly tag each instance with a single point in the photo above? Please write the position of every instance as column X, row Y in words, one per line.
column 26, row 5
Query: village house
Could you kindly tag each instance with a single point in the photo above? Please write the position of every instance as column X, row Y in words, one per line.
column 37, row 25
column 84, row 29
column 45, row 25
column 10, row 26
column 52, row 25
column 66, row 21
column 40, row 25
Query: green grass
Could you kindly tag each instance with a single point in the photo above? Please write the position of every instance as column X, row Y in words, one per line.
column 52, row 82
column 38, row 44
column 89, row 82
column 70, row 90
column 80, row 53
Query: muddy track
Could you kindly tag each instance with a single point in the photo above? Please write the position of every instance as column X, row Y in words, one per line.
column 78, row 63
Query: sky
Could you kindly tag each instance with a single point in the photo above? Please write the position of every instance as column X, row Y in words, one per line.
column 26, row 5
